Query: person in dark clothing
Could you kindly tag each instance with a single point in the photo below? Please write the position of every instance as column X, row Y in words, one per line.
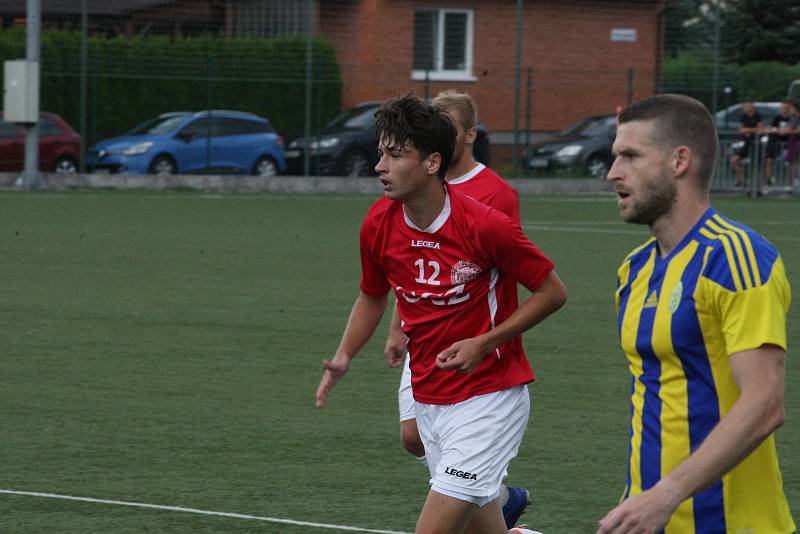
column 779, row 132
column 751, row 125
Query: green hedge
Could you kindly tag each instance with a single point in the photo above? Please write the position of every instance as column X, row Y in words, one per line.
column 692, row 74
column 132, row 79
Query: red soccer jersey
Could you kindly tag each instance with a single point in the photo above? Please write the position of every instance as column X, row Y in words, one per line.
column 485, row 186
column 445, row 278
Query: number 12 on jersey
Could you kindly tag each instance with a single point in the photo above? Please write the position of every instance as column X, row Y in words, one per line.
column 454, row 295
column 431, row 280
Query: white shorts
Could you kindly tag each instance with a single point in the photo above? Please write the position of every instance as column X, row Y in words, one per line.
column 469, row 445
column 405, row 397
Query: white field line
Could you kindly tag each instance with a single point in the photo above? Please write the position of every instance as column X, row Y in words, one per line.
column 530, row 226
column 618, row 222
column 194, row 195
column 575, row 229
column 196, row 511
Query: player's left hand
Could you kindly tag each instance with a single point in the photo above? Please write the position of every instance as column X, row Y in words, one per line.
column 395, row 350
column 464, row 355
column 646, row 513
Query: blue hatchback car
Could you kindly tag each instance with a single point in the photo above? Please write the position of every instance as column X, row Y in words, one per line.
column 205, row 142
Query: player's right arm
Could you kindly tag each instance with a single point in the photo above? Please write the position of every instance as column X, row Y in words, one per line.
column 364, row 318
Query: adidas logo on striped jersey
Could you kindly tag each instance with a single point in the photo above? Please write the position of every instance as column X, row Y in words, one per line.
column 652, row 300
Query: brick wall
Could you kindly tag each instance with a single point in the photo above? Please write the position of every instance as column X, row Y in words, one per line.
column 576, row 69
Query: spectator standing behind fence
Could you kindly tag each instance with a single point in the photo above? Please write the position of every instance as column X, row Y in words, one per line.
column 793, row 145
column 751, row 126
column 779, row 132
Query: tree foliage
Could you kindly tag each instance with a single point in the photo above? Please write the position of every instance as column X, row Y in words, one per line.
column 762, row 30
column 690, row 73
column 685, row 27
column 750, row 30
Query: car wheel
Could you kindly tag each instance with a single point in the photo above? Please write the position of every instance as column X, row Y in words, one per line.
column 65, row 165
column 597, row 166
column 265, row 166
column 162, row 166
column 355, row 163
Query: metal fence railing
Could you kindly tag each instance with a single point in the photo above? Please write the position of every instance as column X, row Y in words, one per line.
column 754, row 178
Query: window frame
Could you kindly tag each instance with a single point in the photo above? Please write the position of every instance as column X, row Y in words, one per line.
column 439, row 73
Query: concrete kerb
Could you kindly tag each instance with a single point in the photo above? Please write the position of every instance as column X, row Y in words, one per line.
column 276, row 184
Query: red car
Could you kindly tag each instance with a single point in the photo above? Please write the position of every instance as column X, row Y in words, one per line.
column 59, row 146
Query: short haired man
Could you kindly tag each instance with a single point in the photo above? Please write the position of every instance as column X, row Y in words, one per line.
column 702, row 319
column 443, row 253
column 750, row 127
column 476, row 180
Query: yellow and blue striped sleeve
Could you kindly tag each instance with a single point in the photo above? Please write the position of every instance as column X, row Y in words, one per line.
column 750, row 291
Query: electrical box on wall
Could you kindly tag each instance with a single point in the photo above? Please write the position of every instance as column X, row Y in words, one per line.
column 21, row 91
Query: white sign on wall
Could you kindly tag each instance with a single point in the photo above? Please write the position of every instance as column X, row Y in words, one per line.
column 626, row 35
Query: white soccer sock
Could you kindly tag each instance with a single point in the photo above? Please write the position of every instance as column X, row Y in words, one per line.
column 503, row 495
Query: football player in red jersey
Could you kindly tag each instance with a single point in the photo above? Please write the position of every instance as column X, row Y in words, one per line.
column 444, row 254
column 473, row 179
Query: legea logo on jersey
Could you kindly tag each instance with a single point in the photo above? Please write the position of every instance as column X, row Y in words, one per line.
column 425, row 244
column 464, row 271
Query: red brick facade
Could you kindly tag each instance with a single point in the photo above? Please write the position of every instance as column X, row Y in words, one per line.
column 577, row 70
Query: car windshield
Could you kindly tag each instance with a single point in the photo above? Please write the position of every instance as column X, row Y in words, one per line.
column 588, row 127
column 157, row 126
column 357, row 117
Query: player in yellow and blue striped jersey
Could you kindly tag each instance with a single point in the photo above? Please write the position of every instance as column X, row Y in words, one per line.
column 702, row 320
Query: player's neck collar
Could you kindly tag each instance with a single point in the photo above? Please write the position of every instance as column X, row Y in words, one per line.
column 437, row 223
column 468, row 176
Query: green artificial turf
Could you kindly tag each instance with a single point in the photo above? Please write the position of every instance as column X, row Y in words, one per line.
column 164, row 348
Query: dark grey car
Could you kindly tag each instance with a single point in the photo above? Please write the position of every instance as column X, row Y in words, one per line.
column 347, row 145
column 585, row 146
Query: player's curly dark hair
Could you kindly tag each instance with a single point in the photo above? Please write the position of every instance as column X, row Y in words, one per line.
column 407, row 119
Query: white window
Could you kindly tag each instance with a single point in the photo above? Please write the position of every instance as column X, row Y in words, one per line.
column 443, row 44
